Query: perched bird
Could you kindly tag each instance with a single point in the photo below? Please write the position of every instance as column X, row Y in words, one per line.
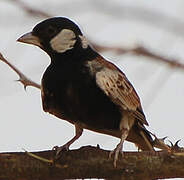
column 83, row 88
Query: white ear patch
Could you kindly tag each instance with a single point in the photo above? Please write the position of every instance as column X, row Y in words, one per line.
column 64, row 41
column 83, row 41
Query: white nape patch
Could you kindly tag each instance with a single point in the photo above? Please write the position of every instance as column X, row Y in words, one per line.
column 64, row 41
column 84, row 41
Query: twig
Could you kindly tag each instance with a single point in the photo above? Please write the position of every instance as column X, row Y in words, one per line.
column 158, row 19
column 22, row 78
column 141, row 51
column 45, row 160
column 38, row 157
column 31, row 11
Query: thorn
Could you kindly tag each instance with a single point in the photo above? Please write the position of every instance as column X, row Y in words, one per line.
column 1, row 57
column 176, row 147
column 98, row 146
column 176, row 144
column 159, row 143
column 18, row 80
column 24, row 150
column 171, row 143
column 164, row 138
column 24, row 84
column 160, row 139
column 25, row 87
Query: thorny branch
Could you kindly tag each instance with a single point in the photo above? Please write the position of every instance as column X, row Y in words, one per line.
column 141, row 51
column 91, row 162
column 22, row 78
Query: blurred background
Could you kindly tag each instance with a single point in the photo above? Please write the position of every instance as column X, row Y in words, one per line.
column 145, row 39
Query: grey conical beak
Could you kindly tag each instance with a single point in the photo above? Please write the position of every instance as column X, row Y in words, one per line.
column 29, row 38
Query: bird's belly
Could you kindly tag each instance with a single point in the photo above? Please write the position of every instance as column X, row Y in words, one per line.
column 90, row 108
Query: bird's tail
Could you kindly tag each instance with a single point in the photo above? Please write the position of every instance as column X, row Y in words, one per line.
column 142, row 138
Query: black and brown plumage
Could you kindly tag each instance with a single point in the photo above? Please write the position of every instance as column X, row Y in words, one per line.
column 83, row 88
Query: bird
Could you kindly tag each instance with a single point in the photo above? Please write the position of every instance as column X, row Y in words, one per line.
column 82, row 87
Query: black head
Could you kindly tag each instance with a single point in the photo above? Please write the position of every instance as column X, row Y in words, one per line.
column 56, row 35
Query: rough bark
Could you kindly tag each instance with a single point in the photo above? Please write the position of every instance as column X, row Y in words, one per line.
column 91, row 162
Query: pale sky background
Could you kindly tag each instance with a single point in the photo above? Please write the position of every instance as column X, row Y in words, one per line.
column 158, row 25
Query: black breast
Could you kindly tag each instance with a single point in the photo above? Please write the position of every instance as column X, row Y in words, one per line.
column 69, row 89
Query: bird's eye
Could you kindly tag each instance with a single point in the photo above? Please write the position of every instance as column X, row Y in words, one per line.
column 51, row 31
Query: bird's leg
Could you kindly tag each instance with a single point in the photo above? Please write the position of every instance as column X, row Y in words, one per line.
column 78, row 133
column 119, row 147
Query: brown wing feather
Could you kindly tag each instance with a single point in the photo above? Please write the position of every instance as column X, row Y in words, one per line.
column 115, row 85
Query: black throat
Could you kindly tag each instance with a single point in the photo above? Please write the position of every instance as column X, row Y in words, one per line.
column 77, row 54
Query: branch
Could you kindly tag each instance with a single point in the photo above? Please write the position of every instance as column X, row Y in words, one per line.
column 91, row 162
column 141, row 51
column 31, row 11
column 158, row 19
column 22, row 78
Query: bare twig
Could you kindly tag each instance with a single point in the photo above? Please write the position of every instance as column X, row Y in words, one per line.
column 31, row 11
column 22, row 78
column 141, row 51
column 158, row 19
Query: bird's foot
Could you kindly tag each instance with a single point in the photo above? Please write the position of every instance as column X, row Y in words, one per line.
column 116, row 152
column 59, row 149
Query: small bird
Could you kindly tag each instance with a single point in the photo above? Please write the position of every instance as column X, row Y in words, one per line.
column 83, row 88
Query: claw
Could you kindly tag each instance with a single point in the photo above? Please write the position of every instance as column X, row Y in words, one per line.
column 58, row 150
column 171, row 143
column 78, row 133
